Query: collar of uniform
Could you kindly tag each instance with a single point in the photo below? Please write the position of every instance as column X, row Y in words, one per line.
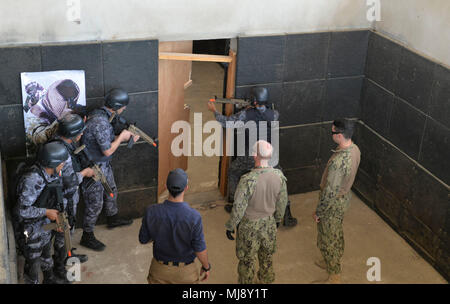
column 342, row 150
column 107, row 111
column 261, row 108
column 47, row 177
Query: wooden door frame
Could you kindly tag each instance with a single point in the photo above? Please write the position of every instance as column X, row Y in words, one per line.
column 231, row 84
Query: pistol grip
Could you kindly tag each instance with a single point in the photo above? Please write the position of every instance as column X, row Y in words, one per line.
column 130, row 142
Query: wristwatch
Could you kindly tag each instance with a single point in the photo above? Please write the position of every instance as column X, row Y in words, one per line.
column 206, row 270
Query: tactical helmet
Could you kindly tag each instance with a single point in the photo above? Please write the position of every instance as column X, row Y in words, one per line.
column 70, row 126
column 52, row 154
column 116, row 99
column 260, row 94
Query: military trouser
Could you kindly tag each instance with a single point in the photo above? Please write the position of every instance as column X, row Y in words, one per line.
column 95, row 198
column 256, row 239
column 330, row 236
column 37, row 253
column 60, row 253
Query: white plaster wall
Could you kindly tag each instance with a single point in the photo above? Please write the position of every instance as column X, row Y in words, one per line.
column 422, row 25
column 37, row 21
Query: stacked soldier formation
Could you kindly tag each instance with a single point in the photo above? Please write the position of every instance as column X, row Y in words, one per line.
column 257, row 112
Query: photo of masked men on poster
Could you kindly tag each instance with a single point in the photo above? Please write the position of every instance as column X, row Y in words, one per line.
column 47, row 97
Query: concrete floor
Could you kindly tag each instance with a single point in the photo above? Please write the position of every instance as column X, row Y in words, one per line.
column 366, row 235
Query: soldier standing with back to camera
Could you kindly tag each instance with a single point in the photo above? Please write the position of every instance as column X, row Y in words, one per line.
column 36, row 206
column 101, row 143
column 243, row 164
column 69, row 132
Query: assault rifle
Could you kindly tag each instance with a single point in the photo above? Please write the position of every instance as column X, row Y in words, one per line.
column 240, row 103
column 133, row 129
column 98, row 173
column 62, row 224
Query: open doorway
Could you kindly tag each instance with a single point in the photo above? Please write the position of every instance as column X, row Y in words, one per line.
column 184, row 89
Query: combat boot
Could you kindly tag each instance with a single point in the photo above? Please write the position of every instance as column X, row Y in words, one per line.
column 31, row 271
column 321, row 264
column 50, row 278
column 88, row 240
column 81, row 257
column 288, row 220
column 116, row 221
column 59, row 268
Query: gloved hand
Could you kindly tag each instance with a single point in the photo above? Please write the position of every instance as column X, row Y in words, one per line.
column 230, row 235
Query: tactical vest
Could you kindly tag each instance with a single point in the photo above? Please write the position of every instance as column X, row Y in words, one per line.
column 257, row 116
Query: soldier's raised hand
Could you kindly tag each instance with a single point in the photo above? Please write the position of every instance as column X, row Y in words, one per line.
column 87, row 172
column 125, row 135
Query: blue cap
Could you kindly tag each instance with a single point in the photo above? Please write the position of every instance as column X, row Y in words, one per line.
column 177, row 180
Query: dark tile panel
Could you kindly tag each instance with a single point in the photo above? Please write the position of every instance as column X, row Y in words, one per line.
column 260, row 60
column 302, row 180
column 397, row 174
column 275, row 91
column 299, row 147
column 13, row 61
column 373, row 151
column 136, row 167
column 87, row 57
column 131, row 204
column 10, row 165
column 348, row 51
column 301, row 102
column 440, row 95
column 406, row 128
column 415, row 79
column 389, row 206
column 306, row 56
column 93, row 103
column 435, row 155
column 383, row 59
column 326, row 143
column 12, row 133
column 442, row 261
column 365, row 185
column 376, row 107
column 143, row 110
column 419, row 233
column 429, row 201
column 342, row 98
column 131, row 65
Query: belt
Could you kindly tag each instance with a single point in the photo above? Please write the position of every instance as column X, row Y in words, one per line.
column 175, row 263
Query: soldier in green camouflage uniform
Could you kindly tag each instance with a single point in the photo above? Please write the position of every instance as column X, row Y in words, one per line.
column 334, row 197
column 259, row 206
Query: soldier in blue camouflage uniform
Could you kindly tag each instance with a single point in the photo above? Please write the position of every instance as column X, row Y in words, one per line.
column 243, row 164
column 334, row 199
column 259, row 205
column 101, row 143
column 37, row 206
column 69, row 132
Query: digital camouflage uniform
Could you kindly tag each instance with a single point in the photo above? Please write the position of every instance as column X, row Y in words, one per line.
column 256, row 239
column 72, row 178
column 97, row 137
column 334, row 200
column 38, row 244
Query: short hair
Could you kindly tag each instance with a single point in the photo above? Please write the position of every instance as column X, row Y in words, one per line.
column 262, row 149
column 345, row 126
column 174, row 194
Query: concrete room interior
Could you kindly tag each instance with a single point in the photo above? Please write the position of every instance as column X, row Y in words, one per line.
column 319, row 59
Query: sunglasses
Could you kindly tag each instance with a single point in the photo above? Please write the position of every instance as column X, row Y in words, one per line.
column 334, row 133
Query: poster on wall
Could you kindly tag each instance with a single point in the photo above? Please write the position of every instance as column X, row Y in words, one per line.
column 47, row 97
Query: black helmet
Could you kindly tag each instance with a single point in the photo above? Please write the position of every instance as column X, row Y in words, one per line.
column 52, row 154
column 70, row 126
column 116, row 98
column 260, row 94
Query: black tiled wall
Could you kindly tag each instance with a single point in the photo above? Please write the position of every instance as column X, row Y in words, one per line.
column 131, row 65
column 312, row 79
column 405, row 146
